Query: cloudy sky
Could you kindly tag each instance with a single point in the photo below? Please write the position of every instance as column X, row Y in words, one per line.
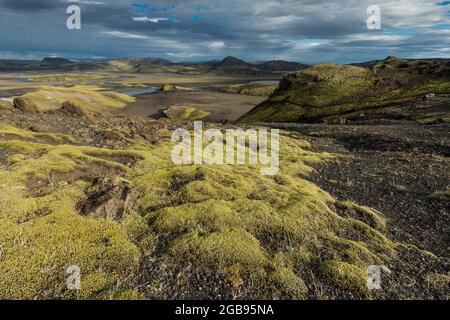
column 308, row 31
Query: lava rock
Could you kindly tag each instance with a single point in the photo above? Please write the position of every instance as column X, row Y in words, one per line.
column 108, row 198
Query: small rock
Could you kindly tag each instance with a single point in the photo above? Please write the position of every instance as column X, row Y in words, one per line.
column 430, row 96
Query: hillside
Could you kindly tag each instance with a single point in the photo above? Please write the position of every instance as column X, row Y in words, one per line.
column 100, row 191
column 234, row 66
column 390, row 89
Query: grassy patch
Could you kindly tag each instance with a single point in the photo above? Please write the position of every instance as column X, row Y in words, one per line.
column 170, row 87
column 441, row 195
column 14, row 133
column 257, row 89
column 185, row 113
column 87, row 97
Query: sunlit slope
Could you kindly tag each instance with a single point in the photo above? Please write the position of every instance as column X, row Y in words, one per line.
column 89, row 98
column 193, row 231
column 331, row 92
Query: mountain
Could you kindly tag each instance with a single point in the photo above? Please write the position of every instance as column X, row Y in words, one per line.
column 280, row 65
column 390, row 89
column 55, row 61
column 17, row 65
column 148, row 60
column 232, row 63
column 228, row 66
column 369, row 64
column 51, row 64
column 234, row 66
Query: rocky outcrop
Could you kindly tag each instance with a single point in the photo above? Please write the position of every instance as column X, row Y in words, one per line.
column 74, row 109
column 108, row 198
column 25, row 105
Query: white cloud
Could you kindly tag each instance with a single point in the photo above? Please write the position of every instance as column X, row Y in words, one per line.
column 147, row 19
column 184, row 55
column 306, row 43
column 86, row 2
column 216, row 45
column 375, row 37
column 124, row 35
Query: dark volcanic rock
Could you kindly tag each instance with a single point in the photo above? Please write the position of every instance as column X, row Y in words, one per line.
column 55, row 61
column 232, row 62
column 108, row 199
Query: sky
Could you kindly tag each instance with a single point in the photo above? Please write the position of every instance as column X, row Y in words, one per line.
column 308, row 31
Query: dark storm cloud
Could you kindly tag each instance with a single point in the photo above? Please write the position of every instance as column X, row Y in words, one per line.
column 302, row 30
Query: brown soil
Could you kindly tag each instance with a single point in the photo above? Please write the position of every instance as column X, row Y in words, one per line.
column 222, row 106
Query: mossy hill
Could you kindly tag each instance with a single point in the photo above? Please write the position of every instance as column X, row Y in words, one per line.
column 389, row 89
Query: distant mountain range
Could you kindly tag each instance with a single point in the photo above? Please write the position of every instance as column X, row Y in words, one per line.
column 229, row 65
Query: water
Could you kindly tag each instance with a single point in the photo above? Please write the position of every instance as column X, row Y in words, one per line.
column 264, row 82
column 138, row 91
column 22, row 80
column 8, row 94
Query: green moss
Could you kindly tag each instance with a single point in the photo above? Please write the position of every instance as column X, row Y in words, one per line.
column 324, row 84
column 170, row 87
column 439, row 281
column 220, row 250
column 15, row 133
column 258, row 233
column 434, row 119
column 125, row 295
column 5, row 105
column 89, row 98
column 345, row 277
column 332, row 92
column 441, row 195
column 370, row 216
column 37, row 253
column 43, row 235
column 201, row 214
column 256, row 89
column 50, row 163
column 290, row 284
column 185, row 113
